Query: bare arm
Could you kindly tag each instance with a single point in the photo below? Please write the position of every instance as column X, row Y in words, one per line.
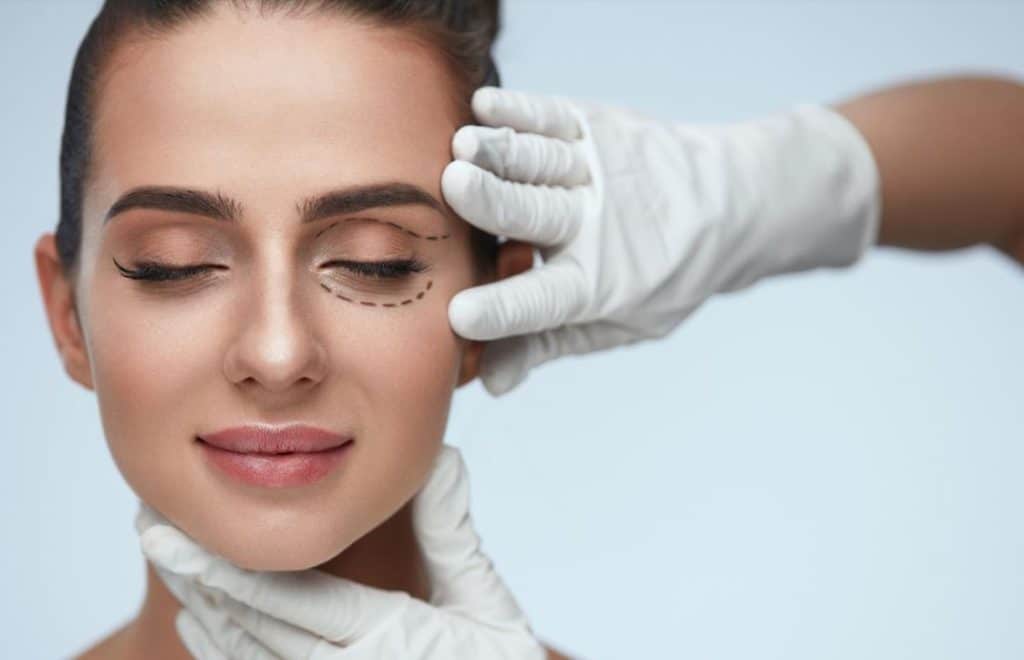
column 951, row 157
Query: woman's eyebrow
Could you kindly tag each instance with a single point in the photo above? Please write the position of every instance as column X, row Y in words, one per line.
column 218, row 206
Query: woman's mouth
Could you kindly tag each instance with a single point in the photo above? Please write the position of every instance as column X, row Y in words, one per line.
column 275, row 457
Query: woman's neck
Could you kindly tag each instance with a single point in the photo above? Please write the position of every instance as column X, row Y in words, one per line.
column 386, row 558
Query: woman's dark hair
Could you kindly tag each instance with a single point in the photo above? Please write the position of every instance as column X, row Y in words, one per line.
column 463, row 30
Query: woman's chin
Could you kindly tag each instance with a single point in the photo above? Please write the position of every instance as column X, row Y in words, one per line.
column 276, row 545
column 270, row 561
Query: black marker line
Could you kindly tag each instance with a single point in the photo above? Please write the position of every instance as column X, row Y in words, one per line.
column 434, row 237
column 368, row 303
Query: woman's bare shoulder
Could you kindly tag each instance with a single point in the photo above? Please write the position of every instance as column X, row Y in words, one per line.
column 112, row 647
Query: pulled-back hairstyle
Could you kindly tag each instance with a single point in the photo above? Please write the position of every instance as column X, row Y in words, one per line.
column 463, row 30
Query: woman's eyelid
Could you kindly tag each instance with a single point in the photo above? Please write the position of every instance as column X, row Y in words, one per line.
column 159, row 237
column 173, row 240
column 383, row 230
column 382, row 247
column 179, row 254
column 413, row 265
column 368, row 250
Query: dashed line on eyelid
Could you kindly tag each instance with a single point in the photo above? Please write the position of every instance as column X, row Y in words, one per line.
column 430, row 237
column 367, row 303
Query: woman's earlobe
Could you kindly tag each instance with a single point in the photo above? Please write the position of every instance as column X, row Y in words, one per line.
column 514, row 257
column 470, row 367
column 61, row 313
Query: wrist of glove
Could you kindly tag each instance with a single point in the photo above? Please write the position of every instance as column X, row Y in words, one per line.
column 638, row 222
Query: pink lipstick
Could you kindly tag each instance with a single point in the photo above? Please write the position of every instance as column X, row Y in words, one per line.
column 275, row 456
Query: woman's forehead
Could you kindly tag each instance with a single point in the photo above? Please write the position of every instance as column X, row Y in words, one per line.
column 274, row 103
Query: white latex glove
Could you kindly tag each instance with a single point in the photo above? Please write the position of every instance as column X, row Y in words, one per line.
column 638, row 221
column 235, row 613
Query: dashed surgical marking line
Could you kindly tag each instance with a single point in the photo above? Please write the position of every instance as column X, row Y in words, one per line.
column 370, row 303
column 435, row 237
column 429, row 237
column 415, row 234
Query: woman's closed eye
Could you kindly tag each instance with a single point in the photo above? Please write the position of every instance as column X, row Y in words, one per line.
column 391, row 269
column 154, row 271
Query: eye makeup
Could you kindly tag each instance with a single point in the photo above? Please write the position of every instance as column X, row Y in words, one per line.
column 394, row 225
column 395, row 276
column 396, row 283
column 406, row 293
column 153, row 271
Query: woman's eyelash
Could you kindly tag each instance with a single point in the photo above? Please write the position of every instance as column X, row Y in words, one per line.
column 392, row 269
column 153, row 271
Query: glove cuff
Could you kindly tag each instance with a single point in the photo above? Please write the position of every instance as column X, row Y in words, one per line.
column 852, row 184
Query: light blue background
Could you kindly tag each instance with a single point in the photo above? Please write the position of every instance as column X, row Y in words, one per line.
column 825, row 466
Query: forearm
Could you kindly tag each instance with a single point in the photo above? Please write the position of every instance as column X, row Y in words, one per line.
column 950, row 154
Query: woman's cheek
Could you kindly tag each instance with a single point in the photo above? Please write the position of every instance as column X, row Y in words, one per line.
column 411, row 379
column 416, row 364
column 146, row 395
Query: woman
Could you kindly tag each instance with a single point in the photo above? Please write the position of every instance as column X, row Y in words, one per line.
column 252, row 238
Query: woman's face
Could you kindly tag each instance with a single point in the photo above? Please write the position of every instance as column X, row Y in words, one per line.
column 270, row 112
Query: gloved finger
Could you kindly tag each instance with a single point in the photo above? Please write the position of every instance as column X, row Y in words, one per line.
column 148, row 517
column 506, row 363
column 221, row 632
column 539, row 299
column 541, row 215
column 336, row 609
column 176, row 584
column 462, row 577
column 522, row 157
column 280, row 637
column 527, row 113
column 195, row 638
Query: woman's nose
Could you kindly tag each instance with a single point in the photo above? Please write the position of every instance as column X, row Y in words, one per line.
column 275, row 347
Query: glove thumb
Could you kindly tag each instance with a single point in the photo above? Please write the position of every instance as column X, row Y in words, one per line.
column 462, row 577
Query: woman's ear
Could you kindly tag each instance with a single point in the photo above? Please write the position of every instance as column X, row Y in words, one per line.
column 59, row 301
column 514, row 257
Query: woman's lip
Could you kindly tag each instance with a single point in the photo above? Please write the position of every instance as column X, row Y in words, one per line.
column 267, row 439
column 275, row 470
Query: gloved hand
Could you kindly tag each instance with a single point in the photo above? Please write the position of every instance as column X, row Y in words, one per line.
column 639, row 221
column 235, row 613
